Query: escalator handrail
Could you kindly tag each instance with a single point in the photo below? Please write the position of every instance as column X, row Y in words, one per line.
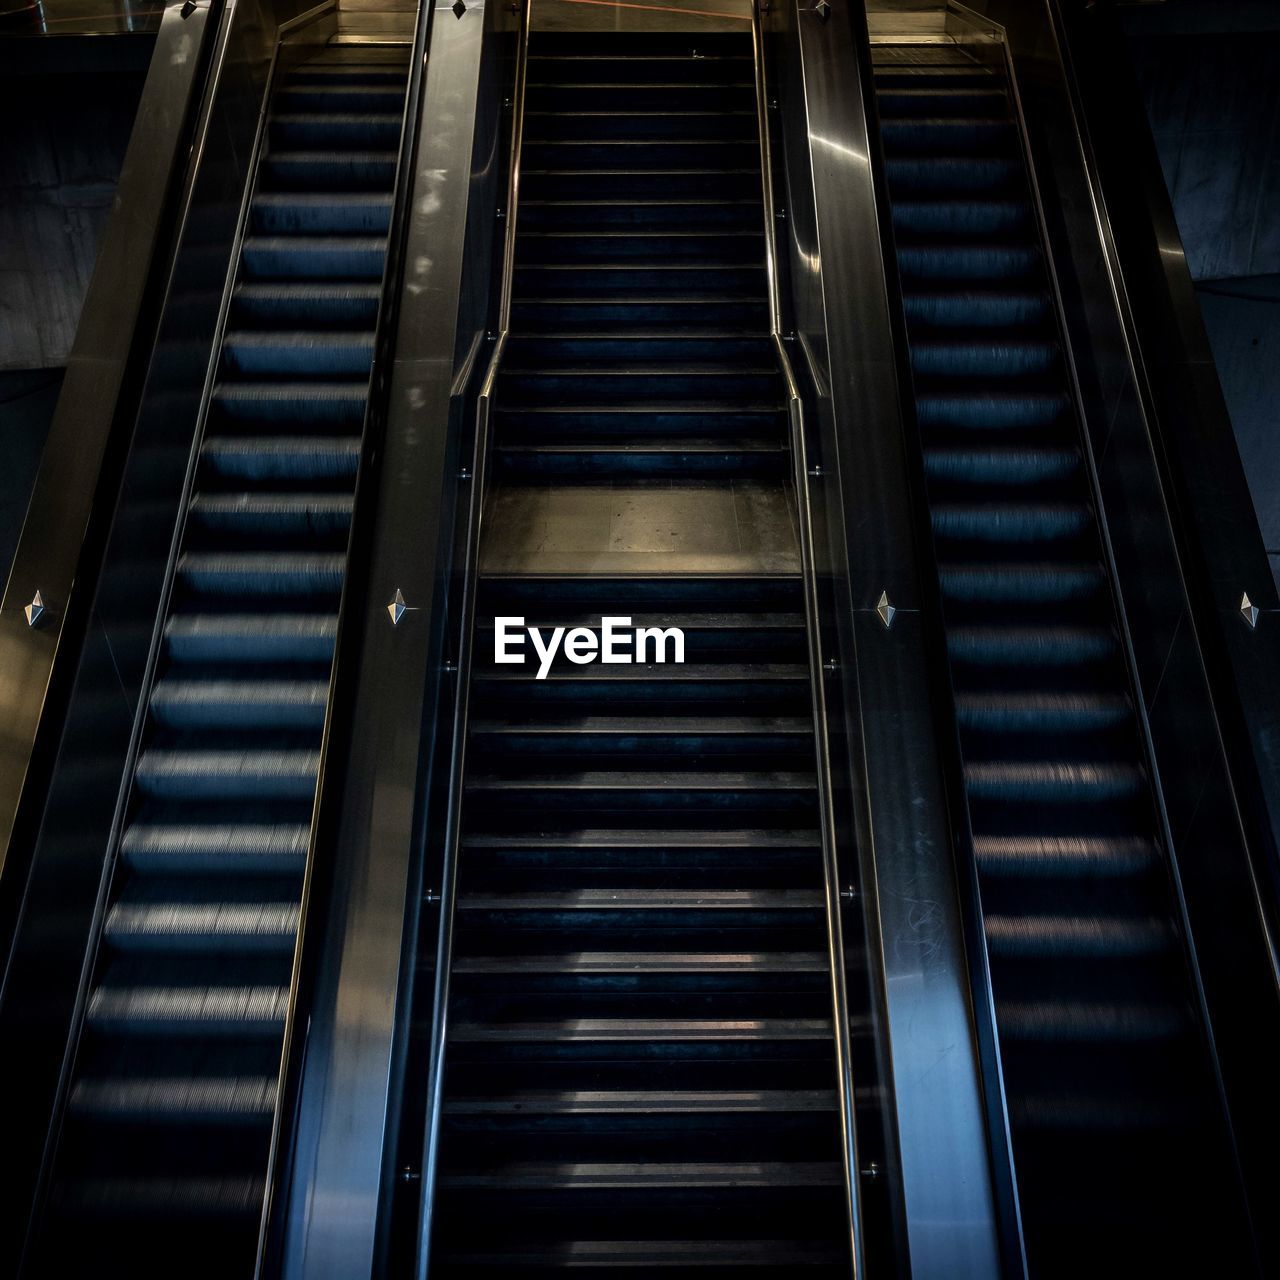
column 435, row 1061
column 800, row 482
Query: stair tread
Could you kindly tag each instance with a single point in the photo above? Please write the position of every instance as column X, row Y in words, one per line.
column 652, row 1174
column 642, row 899
column 644, row 1101
column 651, row 962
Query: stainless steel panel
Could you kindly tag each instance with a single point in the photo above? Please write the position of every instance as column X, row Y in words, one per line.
column 341, row 1184
column 113, row 325
column 940, row 1144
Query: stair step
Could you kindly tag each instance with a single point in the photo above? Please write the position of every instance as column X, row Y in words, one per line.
column 262, row 574
column 330, row 170
column 229, row 775
column 203, row 927
column 1066, row 856
column 233, row 849
column 311, row 213
column 300, row 257
column 1023, row 584
column 1051, row 937
column 747, row 1253
column 308, row 459
column 325, row 131
column 644, row 1031
column 1053, row 782
column 1020, row 524
column 969, row 309
column 189, row 1011
column 309, row 404
column 313, row 353
column 184, row 1100
column 582, row 1176
column 304, row 514
column 251, row 638
column 241, row 704
column 1050, row 713
column 754, row 964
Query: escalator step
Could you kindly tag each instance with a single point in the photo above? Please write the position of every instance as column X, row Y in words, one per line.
column 229, row 775
column 264, row 926
column 189, row 1011
column 184, row 1100
column 173, row 848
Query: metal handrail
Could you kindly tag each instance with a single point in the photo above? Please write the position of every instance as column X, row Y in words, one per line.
column 804, row 519
column 462, row 673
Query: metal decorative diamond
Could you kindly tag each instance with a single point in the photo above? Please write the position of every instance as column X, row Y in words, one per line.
column 397, row 608
column 822, row 9
column 1248, row 610
column 458, row 8
column 35, row 610
column 885, row 610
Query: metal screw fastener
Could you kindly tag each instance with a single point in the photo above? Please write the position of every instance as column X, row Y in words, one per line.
column 451, row 668
column 464, row 473
column 409, row 1174
column 431, row 896
column 34, row 610
column 831, row 666
column 885, row 610
column 1248, row 610
column 848, row 893
column 872, row 1171
column 815, row 472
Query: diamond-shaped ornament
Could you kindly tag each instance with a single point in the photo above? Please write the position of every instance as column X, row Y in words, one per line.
column 397, row 608
column 458, row 8
column 35, row 610
column 1248, row 610
column 885, row 610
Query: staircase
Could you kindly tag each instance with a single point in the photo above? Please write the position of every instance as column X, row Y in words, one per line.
column 640, row 1068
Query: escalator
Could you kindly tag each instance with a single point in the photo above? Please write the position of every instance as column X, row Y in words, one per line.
column 162, row 1154
column 1121, row 1149
column 640, row 1067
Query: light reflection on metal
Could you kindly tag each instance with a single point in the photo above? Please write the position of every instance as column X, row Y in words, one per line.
column 840, row 148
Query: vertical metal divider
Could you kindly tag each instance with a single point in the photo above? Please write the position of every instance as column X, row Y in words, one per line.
column 111, row 860
column 462, row 675
column 800, row 484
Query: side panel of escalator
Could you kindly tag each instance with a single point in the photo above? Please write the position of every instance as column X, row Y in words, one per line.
column 163, row 1149
column 1122, row 1154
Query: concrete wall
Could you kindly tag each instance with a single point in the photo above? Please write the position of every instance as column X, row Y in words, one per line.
column 1243, row 320
column 1213, row 101
column 61, row 148
column 1214, row 106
